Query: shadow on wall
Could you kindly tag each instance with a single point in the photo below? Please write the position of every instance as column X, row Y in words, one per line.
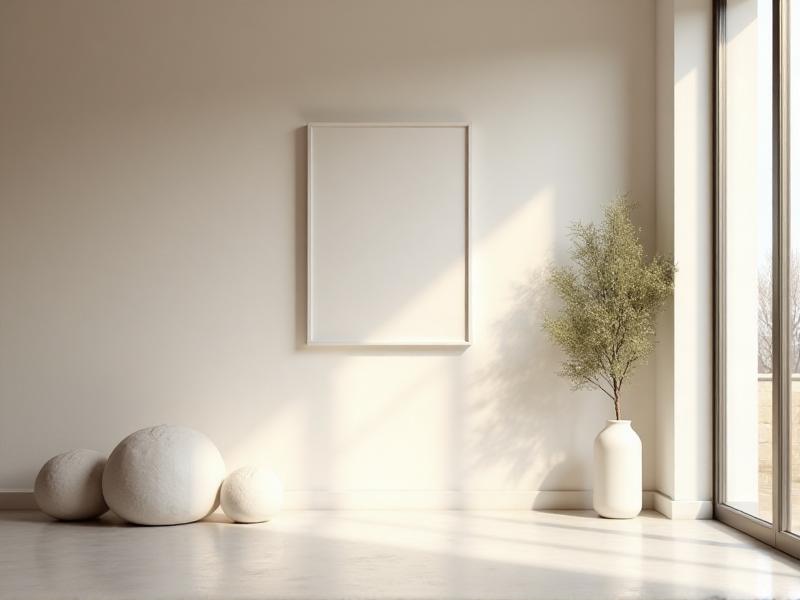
column 521, row 401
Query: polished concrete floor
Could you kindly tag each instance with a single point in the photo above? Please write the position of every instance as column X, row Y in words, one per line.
column 437, row 555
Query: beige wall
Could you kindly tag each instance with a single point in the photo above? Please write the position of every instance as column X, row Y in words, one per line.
column 665, row 240
column 684, row 390
column 152, row 242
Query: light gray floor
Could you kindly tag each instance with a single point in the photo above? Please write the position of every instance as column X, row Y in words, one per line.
column 391, row 554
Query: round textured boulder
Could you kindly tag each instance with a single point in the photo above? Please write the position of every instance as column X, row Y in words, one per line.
column 69, row 486
column 164, row 475
column 251, row 495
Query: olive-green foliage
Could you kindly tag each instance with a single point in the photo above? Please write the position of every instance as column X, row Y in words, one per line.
column 610, row 300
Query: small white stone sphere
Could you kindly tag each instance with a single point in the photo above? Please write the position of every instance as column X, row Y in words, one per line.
column 69, row 486
column 164, row 475
column 252, row 494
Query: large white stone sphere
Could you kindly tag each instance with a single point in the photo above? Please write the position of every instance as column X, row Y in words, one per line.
column 252, row 494
column 164, row 475
column 69, row 486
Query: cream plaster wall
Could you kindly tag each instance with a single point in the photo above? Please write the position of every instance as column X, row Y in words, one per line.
column 152, row 242
column 684, row 209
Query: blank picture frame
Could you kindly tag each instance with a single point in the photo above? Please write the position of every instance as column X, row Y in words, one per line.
column 388, row 234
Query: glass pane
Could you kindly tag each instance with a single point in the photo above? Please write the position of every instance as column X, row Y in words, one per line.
column 748, row 257
column 794, row 266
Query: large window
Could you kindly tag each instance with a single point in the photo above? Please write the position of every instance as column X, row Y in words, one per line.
column 747, row 184
column 792, row 133
column 758, row 271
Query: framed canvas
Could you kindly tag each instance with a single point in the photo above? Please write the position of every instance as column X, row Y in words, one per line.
column 388, row 234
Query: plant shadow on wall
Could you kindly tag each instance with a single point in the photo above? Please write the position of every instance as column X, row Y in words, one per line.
column 609, row 298
column 523, row 404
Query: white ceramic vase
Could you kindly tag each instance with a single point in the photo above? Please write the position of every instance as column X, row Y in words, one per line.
column 617, row 471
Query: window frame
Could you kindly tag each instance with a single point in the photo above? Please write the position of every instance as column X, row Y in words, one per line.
column 777, row 533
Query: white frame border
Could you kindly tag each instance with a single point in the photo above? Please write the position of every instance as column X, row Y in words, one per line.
column 447, row 343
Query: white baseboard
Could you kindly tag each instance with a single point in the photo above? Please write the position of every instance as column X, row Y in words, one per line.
column 439, row 500
column 17, row 500
column 444, row 500
column 403, row 500
column 683, row 509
